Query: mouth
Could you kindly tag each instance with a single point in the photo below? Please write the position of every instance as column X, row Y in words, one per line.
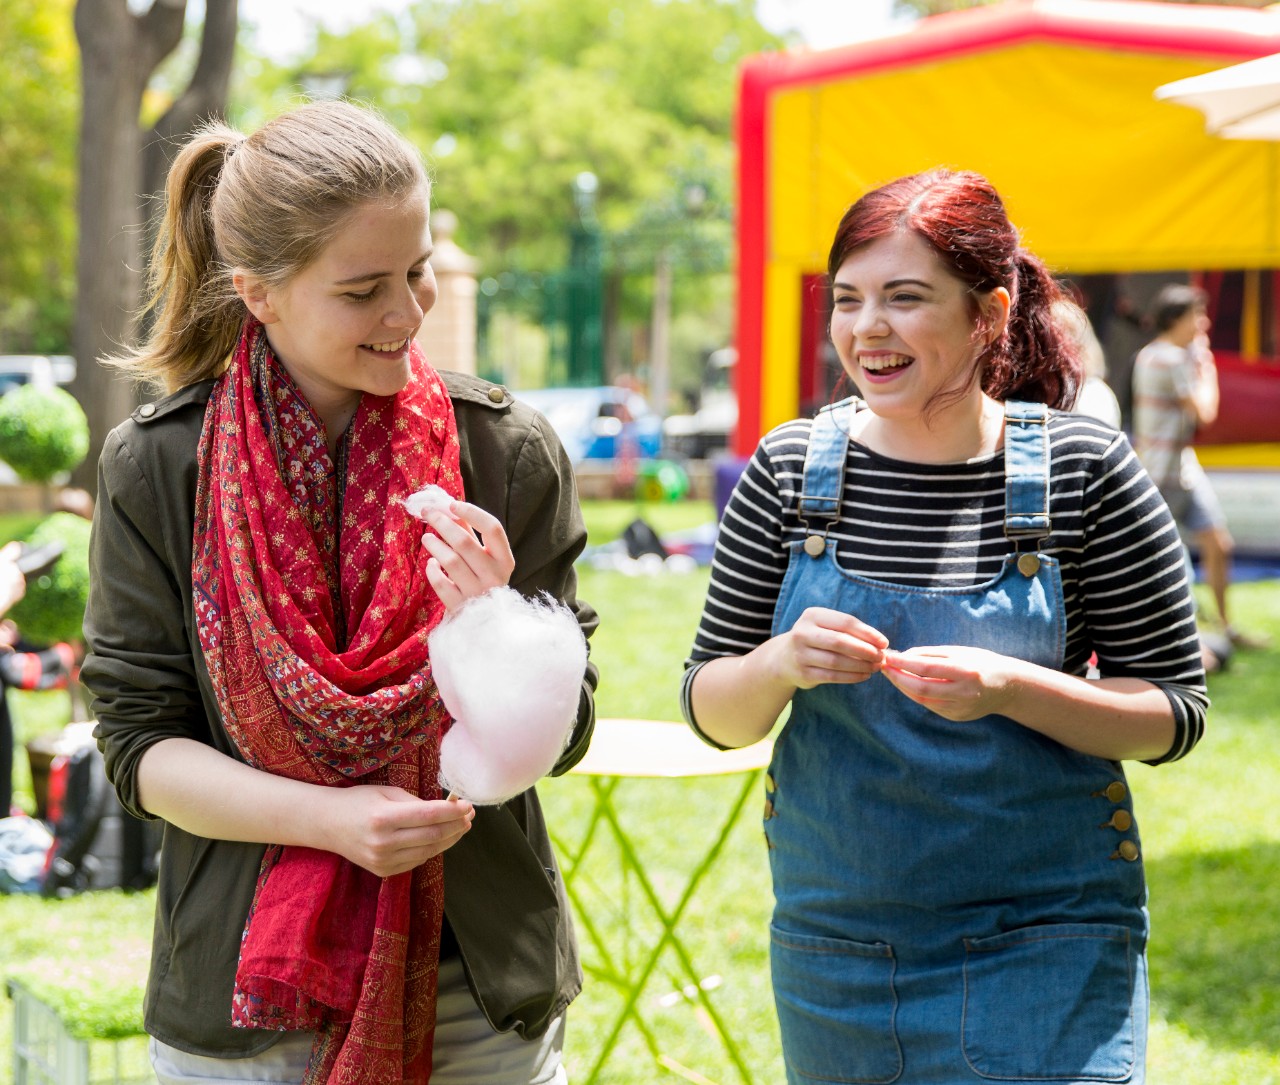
column 387, row 348
column 884, row 363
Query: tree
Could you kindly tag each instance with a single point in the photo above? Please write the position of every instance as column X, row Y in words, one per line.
column 119, row 53
column 641, row 95
column 38, row 112
column 633, row 93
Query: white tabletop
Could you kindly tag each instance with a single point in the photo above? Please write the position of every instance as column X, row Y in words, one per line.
column 657, row 748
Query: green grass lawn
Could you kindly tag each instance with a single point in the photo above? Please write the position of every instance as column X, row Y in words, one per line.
column 1210, row 832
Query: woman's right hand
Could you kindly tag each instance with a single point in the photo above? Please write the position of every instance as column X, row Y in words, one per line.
column 387, row 830
column 829, row 646
column 736, row 700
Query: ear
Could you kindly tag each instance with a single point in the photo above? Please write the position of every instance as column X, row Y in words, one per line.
column 255, row 294
column 995, row 310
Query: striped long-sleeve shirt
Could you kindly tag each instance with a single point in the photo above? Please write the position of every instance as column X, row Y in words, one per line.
column 1124, row 574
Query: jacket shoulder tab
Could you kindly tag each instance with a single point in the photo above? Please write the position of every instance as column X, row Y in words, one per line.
column 469, row 389
column 192, row 395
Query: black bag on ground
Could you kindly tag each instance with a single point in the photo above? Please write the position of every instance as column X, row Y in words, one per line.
column 639, row 538
column 97, row 844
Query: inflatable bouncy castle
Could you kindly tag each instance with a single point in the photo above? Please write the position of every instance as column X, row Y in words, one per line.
column 1053, row 100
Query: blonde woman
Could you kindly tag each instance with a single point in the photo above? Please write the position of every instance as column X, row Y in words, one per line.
column 258, row 624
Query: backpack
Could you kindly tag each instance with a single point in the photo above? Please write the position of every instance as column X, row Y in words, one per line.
column 97, row 844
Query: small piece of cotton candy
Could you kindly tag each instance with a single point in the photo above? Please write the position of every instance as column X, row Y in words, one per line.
column 419, row 503
column 509, row 670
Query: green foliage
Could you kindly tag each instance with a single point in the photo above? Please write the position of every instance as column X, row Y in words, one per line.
column 39, row 114
column 53, row 608
column 43, row 432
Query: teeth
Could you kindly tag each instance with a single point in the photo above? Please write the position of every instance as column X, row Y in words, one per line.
column 884, row 361
column 387, row 348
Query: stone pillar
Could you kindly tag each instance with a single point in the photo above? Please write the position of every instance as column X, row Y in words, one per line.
column 448, row 334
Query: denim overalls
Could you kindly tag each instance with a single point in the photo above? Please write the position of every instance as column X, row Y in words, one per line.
column 956, row 902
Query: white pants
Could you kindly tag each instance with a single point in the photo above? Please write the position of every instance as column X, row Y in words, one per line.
column 466, row 1050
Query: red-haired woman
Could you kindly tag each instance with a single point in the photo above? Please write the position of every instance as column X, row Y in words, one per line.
column 921, row 574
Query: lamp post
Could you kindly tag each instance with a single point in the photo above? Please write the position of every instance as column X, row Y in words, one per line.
column 584, row 309
column 693, row 200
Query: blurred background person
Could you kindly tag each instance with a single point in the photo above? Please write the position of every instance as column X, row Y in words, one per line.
column 1175, row 391
column 1096, row 398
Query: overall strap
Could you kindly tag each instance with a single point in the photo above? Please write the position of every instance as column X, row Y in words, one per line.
column 823, row 482
column 1026, row 470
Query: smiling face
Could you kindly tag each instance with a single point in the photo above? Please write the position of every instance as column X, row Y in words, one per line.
column 905, row 327
column 343, row 325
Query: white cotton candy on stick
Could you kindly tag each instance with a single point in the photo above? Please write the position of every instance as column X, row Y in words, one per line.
column 509, row 670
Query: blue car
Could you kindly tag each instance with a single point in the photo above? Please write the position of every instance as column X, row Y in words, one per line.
column 603, row 423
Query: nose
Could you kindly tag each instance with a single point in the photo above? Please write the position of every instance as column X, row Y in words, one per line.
column 870, row 321
column 412, row 304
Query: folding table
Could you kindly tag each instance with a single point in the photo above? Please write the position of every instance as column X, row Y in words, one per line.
column 628, row 749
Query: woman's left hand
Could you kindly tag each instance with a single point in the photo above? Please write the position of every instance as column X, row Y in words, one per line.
column 470, row 553
column 957, row 682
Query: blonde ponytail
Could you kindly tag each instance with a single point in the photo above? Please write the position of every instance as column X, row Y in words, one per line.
column 196, row 314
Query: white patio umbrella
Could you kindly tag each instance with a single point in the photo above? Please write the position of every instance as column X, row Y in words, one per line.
column 1240, row 102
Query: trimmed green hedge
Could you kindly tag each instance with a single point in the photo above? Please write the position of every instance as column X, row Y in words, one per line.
column 43, row 432
column 53, row 608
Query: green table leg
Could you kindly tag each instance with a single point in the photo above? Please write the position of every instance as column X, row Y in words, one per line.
column 632, row 987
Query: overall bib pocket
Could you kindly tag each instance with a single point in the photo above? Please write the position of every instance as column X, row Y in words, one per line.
column 827, row 987
column 1051, row 1002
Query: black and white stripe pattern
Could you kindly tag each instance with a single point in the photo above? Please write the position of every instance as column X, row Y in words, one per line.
column 1123, row 572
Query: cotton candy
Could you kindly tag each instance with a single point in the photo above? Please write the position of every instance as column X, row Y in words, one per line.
column 509, row 670
column 427, row 499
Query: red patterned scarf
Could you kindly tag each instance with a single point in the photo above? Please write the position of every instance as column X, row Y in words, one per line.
column 313, row 609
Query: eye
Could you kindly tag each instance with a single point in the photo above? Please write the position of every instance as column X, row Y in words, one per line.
column 368, row 295
column 905, row 296
column 845, row 301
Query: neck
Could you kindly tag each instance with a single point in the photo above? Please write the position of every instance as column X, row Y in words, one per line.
column 965, row 431
column 336, row 420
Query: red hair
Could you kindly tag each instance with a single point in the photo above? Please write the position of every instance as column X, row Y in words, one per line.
column 963, row 219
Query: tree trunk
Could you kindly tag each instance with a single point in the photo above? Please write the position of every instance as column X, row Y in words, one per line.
column 205, row 97
column 119, row 52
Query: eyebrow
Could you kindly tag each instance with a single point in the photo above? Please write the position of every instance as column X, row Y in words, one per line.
column 370, row 276
column 891, row 284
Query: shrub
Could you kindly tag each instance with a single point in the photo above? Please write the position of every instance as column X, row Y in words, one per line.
column 53, row 608
column 43, row 432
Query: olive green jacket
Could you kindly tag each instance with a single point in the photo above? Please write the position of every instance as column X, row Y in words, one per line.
column 503, row 897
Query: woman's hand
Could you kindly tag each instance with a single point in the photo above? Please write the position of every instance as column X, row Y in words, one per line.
column 957, row 682
column 386, row 830
column 829, row 646
column 470, row 553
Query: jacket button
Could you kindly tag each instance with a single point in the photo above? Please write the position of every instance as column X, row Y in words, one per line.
column 497, row 395
column 768, row 782
column 815, row 546
column 1121, row 820
column 768, row 809
column 1029, row 564
column 1116, row 791
column 1128, row 850
column 147, row 410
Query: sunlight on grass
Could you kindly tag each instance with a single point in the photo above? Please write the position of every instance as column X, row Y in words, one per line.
column 1210, row 835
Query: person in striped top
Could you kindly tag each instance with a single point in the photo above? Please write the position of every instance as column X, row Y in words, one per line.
column 920, row 577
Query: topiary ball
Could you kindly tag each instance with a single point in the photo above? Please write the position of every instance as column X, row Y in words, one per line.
column 53, row 608
column 43, row 432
